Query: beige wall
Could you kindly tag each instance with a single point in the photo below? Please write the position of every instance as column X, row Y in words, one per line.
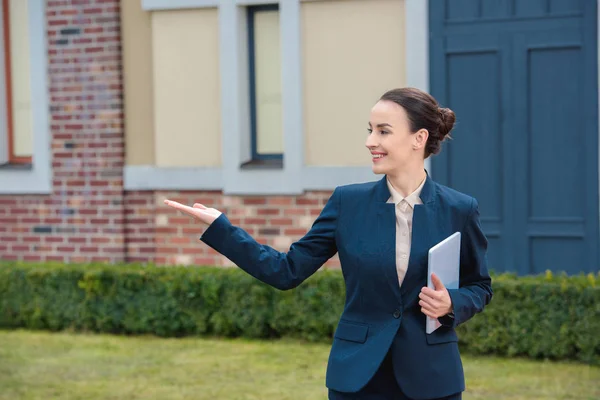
column 20, row 78
column 187, row 121
column 137, row 82
column 353, row 51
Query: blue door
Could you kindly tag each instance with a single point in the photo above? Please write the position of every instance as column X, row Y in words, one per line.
column 522, row 77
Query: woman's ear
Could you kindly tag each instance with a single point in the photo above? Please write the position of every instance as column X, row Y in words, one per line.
column 420, row 139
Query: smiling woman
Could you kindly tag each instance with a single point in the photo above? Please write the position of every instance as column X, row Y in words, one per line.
column 380, row 346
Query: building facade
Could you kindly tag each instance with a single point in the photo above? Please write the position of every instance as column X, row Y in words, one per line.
column 260, row 108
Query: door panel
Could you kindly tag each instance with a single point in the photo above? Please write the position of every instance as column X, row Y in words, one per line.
column 522, row 79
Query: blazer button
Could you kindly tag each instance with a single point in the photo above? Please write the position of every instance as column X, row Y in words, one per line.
column 397, row 314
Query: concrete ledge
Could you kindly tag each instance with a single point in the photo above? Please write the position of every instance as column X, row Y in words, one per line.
column 157, row 5
column 155, row 178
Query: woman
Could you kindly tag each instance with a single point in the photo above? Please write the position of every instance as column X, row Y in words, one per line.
column 380, row 348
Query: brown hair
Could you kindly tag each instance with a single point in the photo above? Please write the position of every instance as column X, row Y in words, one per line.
column 424, row 112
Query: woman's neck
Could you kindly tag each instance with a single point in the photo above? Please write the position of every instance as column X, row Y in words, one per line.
column 407, row 180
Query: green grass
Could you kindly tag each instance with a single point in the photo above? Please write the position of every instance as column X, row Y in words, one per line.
column 40, row 365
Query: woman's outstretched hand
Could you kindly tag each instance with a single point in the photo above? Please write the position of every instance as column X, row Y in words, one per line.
column 198, row 211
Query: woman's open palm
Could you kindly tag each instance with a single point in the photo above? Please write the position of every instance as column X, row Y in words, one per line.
column 198, row 211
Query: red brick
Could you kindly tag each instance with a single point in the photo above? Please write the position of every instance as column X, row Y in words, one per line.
column 96, row 10
column 294, row 232
column 19, row 211
column 69, row 249
column 8, row 201
column 19, row 248
column 58, row 22
column 89, row 249
column 280, row 201
column 255, row 200
column 109, row 39
column 167, row 250
column 281, row 221
column 112, row 249
column 254, row 221
column 193, row 231
column 138, row 240
column 99, row 240
column 94, row 49
column 307, row 202
column 133, row 201
column 268, row 211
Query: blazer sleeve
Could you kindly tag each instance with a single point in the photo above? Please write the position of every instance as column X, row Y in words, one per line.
column 282, row 270
column 475, row 284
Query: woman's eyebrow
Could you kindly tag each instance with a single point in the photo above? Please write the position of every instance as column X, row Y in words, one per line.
column 382, row 125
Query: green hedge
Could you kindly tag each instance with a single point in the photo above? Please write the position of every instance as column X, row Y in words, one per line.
column 554, row 317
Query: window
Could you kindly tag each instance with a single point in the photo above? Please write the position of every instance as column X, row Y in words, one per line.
column 16, row 130
column 264, row 53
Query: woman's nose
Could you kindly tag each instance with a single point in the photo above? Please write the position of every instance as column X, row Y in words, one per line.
column 371, row 142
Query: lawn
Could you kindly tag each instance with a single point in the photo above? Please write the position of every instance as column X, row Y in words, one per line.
column 39, row 365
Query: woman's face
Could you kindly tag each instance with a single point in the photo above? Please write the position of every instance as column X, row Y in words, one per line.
column 392, row 145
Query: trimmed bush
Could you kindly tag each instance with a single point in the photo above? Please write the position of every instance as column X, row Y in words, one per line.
column 548, row 316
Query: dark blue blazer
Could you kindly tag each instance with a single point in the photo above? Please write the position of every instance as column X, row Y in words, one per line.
column 379, row 315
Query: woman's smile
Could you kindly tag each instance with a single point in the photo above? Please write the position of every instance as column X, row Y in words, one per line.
column 377, row 156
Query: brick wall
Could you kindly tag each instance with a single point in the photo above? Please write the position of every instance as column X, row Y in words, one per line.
column 88, row 216
column 163, row 235
column 83, row 218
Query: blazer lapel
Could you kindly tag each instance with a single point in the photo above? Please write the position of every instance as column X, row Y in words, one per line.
column 386, row 226
column 424, row 219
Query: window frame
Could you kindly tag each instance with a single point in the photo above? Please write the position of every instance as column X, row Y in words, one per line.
column 10, row 132
column 251, row 11
column 34, row 178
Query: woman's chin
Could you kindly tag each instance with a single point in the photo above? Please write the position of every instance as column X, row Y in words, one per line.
column 377, row 169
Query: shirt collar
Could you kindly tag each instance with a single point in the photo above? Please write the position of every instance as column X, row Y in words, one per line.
column 411, row 199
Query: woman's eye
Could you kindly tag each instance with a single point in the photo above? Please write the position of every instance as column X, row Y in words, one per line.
column 384, row 132
column 370, row 130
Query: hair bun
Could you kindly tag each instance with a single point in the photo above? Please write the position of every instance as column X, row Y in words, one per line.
column 448, row 119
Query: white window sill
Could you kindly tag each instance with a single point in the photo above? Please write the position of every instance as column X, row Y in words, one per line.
column 17, row 179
